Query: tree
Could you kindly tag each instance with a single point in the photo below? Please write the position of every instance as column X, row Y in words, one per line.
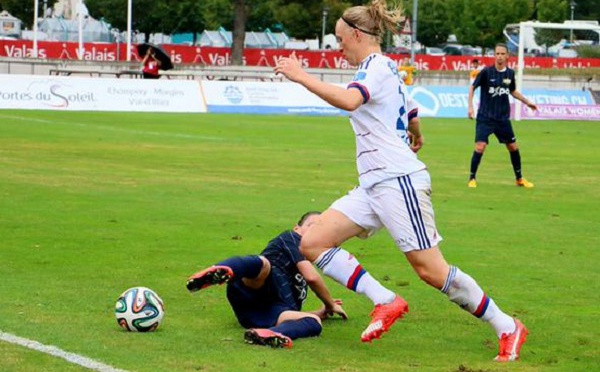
column 587, row 10
column 476, row 22
column 262, row 16
column 550, row 11
column 482, row 22
column 239, row 32
column 20, row 9
column 303, row 19
column 434, row 21
column 148, row 16
column 216, row 13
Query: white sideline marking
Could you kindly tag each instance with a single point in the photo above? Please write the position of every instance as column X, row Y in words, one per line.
column 116, row 129
column 54, row 351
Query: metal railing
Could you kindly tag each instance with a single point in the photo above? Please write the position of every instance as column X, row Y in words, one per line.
column 111, row 69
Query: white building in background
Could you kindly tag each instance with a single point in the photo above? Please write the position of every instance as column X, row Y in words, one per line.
column 61, row 23
column 10, row 27
column 69, row 9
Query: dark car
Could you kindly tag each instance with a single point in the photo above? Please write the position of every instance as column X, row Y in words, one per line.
column 468, row 50
column 398, row 50
column 453, row 50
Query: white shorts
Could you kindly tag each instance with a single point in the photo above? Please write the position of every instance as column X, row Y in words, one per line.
column 402, row 205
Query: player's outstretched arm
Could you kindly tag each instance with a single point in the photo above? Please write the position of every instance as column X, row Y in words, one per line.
column 345, row 99
column 317, row 285
column 520, row 97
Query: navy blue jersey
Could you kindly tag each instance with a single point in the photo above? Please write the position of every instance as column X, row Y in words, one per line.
column 495, row 87
column 283, row 252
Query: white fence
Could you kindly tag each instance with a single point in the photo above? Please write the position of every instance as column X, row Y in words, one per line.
column 24, row 66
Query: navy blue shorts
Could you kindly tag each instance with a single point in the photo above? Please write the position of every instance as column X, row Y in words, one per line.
column 260, row 308
column 501, row 129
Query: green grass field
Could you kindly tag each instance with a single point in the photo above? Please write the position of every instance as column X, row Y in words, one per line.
column 94, row 203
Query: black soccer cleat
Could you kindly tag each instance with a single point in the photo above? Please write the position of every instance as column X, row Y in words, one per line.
column 266, row 337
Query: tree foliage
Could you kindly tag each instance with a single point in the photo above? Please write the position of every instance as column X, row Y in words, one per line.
column 20, row 9
column 550, row 11
column 150, row 16
column 587, row 10
column 434, row 20
column 474, row 22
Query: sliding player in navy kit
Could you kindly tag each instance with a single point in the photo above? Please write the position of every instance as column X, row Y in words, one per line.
column 266, row 291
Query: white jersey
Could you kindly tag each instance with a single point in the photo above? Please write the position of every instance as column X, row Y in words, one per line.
column 381, row 122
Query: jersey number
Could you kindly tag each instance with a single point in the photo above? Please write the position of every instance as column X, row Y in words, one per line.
column 400, row 125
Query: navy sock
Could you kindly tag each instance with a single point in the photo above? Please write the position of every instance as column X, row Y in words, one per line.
column 515, row 159
column 475, row 160
column 304, row 327
column 244, row 267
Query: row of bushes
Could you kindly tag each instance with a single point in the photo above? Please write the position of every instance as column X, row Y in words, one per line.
column 588, row 51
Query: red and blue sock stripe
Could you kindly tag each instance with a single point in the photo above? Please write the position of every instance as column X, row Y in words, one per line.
column 483, row 305
column 355, row 278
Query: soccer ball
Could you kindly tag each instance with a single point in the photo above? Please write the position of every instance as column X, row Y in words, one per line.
column 139, row 309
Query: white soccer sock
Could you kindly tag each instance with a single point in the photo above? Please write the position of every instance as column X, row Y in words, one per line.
column 344, row 268
column 466, row 293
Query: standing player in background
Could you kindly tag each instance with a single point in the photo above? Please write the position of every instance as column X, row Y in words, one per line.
column 475, row 71
column 266, row 291
column 493, row 116
column 414, row 124
column 394, row 185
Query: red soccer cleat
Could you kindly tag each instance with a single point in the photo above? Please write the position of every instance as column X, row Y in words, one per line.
column 263, row 336
column 207, row 277
column 382, row 318
column 510, row 344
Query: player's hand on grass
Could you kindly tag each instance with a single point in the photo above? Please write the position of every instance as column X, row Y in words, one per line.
column 330, row 312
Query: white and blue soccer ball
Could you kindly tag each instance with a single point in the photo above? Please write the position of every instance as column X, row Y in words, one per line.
column 139, row 309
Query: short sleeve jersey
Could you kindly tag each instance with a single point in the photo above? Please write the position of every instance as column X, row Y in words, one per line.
column 495, row 88
column 380, row 124
column 283, row 252
column 473, row 74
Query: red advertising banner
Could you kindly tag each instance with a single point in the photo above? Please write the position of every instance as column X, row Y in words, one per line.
column 209, row 56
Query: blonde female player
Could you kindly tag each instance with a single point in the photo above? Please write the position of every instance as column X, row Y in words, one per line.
column 394, row 185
